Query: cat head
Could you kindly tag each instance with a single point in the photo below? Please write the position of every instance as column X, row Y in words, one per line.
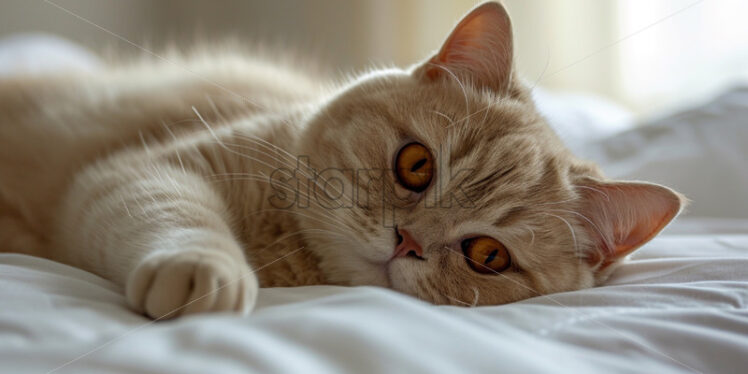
column 443, row 181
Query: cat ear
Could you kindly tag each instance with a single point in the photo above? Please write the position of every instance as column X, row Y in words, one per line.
column 625, row 215
column 478, row 50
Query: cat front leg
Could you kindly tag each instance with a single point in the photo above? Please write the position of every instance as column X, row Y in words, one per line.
column 191, row 271
column 161, row 233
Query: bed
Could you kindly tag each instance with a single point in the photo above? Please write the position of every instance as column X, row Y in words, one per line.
column 679, row 305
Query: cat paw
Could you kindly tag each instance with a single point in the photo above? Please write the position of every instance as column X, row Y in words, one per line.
column 168, row 285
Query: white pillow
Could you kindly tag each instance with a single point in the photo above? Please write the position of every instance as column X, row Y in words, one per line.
column 701, row 152
column 580, row 119
column 38, row 53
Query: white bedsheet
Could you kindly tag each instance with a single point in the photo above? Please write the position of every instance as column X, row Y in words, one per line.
column 678, row 307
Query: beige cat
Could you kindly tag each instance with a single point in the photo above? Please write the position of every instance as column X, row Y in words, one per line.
column 193, row 182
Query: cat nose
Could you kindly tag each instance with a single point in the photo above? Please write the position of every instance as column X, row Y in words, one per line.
column 406, row 245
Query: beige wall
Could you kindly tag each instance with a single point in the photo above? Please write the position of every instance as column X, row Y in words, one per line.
column 347, row 33
column 559, row 43
column 334, row 26
column 130, row 18
column 565, row 45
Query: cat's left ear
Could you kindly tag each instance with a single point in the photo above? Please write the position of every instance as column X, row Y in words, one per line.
column 478, row 51
column 622, row 216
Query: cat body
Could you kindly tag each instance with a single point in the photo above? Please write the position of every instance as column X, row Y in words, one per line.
column 192, row 181
column 149, row 114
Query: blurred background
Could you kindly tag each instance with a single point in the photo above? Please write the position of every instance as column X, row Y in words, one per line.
column 647, row 55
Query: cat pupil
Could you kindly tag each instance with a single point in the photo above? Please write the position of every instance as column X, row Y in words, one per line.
column 491, row 256
column 418, row 165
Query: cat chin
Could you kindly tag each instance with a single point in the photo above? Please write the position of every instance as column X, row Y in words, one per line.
column 371, row 277
column 400, row 275
column 343, row 267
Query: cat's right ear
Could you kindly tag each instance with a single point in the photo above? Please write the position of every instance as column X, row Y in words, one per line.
column 477, row 52
column 622, row 216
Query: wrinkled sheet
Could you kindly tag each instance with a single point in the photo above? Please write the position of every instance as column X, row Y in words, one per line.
column 679, row 306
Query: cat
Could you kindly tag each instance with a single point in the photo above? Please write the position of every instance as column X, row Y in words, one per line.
column 191, row 182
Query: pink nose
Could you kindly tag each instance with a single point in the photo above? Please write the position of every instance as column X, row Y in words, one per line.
column 406, row 245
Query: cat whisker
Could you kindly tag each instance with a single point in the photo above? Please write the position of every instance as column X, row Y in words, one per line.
column 264, row 179
column 331, row 236
column 556, row 202
column 571, row 229
column 532, row 239
column 596, row 190
column 224, row 146
column 333, row 224
column 429, row 289
column 472, row 304
column 476, row 294
column 286, row 236
column 272, row 157
column 451, row 121
column 484, row 109
column 244, row 176
column 584, row 218
column 267, row 144
column 458, row 301
column 176, row 149
column 275, row 155
column 271, row 146
column 454, row 76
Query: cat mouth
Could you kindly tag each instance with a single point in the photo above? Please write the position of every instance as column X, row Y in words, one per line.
column 389, row 270
column 387, row 276
column 401, row 251
column 394, row 277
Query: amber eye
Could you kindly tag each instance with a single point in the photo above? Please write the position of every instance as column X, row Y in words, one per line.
column 486, row 255
column 414, row 167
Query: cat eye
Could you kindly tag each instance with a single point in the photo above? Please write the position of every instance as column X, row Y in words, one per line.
column 486, row 255
column 414, row 167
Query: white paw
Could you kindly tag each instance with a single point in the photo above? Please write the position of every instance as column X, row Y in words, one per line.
column 167, row 285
